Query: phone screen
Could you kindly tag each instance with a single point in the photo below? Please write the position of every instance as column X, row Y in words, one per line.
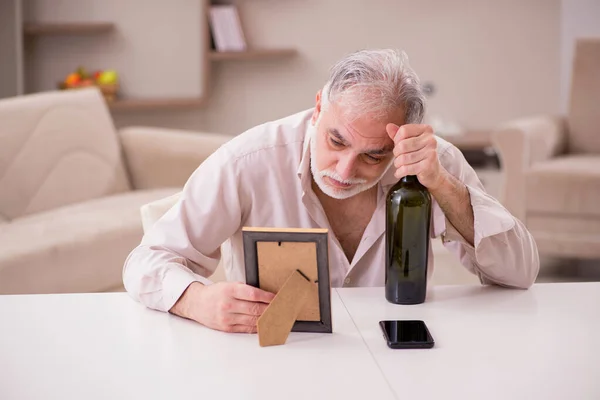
column 406, row 334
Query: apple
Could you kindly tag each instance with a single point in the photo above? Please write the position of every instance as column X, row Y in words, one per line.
column 108, row 77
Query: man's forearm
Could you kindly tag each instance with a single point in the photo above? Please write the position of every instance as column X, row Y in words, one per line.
column 454, row 199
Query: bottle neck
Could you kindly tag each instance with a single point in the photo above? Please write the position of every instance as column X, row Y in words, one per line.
column 409, row 179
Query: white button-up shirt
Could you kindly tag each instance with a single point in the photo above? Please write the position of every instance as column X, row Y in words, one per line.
column 262, row 178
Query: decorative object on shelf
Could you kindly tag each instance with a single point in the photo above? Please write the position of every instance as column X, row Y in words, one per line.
column 107, row 81
column 226, row 28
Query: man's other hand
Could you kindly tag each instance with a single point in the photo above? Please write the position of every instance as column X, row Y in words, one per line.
column 224, row 306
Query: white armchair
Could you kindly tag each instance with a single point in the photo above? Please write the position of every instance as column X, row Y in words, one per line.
column 552, row 166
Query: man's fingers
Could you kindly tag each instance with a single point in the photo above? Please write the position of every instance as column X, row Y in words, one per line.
column 250, row 293
column 410, row 169
column 406, row 131
column 409, row 145
column 242, row 329
column 392, row 129
column 411, row 158
column 249, row 307
column 243, row 319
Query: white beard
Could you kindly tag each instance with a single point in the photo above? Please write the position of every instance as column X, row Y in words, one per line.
column 357, row 185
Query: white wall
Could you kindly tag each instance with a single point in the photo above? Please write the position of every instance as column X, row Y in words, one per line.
column 579, row 18
column 490, row 60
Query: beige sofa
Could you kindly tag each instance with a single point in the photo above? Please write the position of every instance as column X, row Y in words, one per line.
column 71, row 188
column 552, row 166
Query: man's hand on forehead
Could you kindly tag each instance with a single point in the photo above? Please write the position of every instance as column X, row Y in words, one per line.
column 415, row 153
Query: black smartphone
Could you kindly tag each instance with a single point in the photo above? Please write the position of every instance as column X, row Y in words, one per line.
column 406, row 334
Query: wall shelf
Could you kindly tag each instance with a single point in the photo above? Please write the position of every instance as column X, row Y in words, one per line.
column 253, row 54
column 158, row 103
column 25, row 44
column 71, row 28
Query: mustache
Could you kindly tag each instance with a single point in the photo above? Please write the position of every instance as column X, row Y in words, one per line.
column 334, row 175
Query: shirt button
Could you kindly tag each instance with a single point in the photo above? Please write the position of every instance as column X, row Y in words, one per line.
column 347, row 281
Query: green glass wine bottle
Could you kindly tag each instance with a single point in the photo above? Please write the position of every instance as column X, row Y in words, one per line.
column 408, row 214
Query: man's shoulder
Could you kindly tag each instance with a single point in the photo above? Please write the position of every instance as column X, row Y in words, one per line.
column 281, row 135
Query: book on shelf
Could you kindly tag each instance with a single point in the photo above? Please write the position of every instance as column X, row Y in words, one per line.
column 226, row 28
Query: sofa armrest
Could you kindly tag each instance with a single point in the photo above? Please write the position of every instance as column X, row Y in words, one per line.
column 158, row 157
column 520, row 144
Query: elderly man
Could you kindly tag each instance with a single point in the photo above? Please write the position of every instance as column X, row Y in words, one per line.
column 328, row 167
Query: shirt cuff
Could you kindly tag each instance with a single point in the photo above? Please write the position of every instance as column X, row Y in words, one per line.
column 176, row 281
column 489, row 216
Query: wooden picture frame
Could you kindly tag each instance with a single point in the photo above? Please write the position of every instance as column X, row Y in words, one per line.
column 277, row 253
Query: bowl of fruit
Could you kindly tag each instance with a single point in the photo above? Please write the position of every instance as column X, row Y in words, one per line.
column 106, row 80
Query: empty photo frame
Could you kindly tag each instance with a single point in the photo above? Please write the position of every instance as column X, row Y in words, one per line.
column 271, row 255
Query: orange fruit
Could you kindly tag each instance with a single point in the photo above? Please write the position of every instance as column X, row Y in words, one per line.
column 72, row 79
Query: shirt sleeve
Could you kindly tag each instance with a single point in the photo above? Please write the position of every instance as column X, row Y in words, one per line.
column 183, row 246
column 504, row 252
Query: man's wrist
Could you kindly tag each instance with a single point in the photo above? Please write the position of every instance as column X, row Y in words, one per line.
column 442, row 184
column 190, row 295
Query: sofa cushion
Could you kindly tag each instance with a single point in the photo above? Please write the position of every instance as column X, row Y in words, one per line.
column 568, row 185
column 78, row 248
column 57, row 148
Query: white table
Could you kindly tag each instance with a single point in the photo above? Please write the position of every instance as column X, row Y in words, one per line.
column 106, row 346
column 490, row 343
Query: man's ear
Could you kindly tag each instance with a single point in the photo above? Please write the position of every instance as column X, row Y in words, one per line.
column 317, row 110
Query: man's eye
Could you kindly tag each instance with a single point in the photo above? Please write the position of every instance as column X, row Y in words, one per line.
column 372, row 160
column 335, row 142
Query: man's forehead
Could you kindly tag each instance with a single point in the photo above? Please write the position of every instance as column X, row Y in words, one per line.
column 379, row 144
column 366, row 125
column 364, row 128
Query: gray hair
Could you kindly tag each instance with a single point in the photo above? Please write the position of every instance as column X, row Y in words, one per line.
column 375, row 82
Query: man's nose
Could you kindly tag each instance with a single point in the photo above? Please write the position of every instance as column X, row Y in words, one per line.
column 345, row 166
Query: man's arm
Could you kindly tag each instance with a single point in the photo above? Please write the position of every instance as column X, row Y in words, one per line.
column 168, row 270
column 183, row 246
column 455, row 201
column 495, row 245
column 488, row 240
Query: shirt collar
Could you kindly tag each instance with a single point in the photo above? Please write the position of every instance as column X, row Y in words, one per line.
column 304, row 166
column 388, row 180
